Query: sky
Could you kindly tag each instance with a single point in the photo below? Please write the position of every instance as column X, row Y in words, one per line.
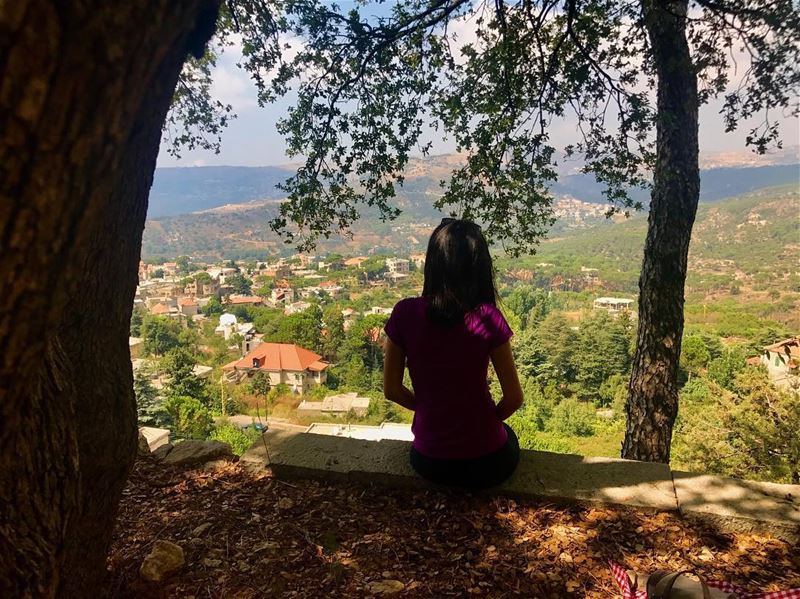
column 251, row 138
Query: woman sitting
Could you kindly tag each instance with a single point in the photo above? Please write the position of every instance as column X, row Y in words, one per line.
column 447, row 337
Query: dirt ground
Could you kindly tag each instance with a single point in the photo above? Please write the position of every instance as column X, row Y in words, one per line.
column 256, row 536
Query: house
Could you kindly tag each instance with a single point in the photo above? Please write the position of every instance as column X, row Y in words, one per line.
column 397, row 265
column 328, row 266
column 395, row 277
column 229, row 326
column 378, row 310
column 244, row 300
column 613, row 305
column 296, row 308
column 332, row 288
column 418, row 260
column 188, row 306
column 205, row 289
column 282, row 295
column 161, row 309
column 336, row 405
column 782, row 360
column 287, row 364
column 349, row 316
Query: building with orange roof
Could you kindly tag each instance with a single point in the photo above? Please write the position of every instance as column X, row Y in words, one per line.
column 288, row 364
column 244, row 300
column 188, row 306
column 160, row 309
column 782, row 360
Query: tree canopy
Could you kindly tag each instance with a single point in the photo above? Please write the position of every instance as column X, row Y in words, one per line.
column 495, row 77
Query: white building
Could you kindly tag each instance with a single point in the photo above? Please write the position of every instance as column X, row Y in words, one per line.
column 296, row 307
column 397, row 265
column 614, row 305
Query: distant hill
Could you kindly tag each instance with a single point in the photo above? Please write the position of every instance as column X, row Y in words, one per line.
column 185, row 190
column 751, row 240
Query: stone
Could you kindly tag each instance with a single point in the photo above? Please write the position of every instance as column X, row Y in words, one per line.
column 212, row 563
column 284, row 503
column 164, row 559
column 733, row 505
column 192, row 452
column 161, row 452
column 591, row 480
column 386, row 587
column 201, row 529
column 144, row 446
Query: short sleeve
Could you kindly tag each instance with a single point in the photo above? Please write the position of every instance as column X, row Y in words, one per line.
column 497, row 327
column 394, row 326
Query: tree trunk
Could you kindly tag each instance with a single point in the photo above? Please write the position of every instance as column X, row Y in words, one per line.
column 84, row 93
column 653, row 392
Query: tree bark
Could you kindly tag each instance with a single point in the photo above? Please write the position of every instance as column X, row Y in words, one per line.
column 653, row 392
column 84, row 92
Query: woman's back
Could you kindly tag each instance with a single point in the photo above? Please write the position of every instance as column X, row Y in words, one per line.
column 455, row 416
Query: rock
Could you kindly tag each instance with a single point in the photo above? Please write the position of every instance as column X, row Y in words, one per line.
column 164, row 559
column 215, row 465
column 161, row 452
column 284, row 503
column 201, row 529
column 386, row 587
column 192, row 452
column 144, row 446
column 212, row 563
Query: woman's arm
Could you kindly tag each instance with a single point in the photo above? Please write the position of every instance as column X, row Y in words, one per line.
column 394, row 365
column 503, row 362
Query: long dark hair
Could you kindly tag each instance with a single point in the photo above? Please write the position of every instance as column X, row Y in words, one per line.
column 458, row 271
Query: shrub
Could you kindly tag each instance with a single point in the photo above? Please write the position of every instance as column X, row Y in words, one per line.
column 190, row 418
column 572, row 417
column 239, row 439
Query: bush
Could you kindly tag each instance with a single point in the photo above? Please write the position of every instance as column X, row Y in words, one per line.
column 574, row 418
column 239, row 439
column 190, row 418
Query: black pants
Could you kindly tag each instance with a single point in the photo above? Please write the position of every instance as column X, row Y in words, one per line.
column 474, row 473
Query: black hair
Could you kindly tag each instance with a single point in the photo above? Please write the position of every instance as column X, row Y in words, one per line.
column 458, row 271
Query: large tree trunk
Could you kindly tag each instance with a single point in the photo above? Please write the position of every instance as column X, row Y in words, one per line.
column 84, row 92
column 653, row 393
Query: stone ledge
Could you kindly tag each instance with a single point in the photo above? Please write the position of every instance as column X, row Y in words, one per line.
column 740, row 505
column 727, row 504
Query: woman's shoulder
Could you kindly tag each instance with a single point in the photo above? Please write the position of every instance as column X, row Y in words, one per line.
column 490, row 311
column 409, row 306
column 410, row 303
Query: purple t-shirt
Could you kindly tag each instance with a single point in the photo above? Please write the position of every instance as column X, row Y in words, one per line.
column 455, row 415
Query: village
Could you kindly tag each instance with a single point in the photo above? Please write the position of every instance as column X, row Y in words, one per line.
column 297, row 341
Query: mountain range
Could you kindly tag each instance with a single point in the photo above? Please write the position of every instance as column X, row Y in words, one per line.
column 216, row 212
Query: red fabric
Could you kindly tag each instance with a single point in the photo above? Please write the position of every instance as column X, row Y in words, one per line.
column 624, row 583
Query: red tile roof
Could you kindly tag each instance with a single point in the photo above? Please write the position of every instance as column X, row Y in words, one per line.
column 187, row 301
column 281, row 356
column 159, row 309
column 789, row 347
column 244, row 299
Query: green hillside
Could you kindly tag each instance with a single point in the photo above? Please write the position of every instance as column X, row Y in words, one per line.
column 749, row 241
